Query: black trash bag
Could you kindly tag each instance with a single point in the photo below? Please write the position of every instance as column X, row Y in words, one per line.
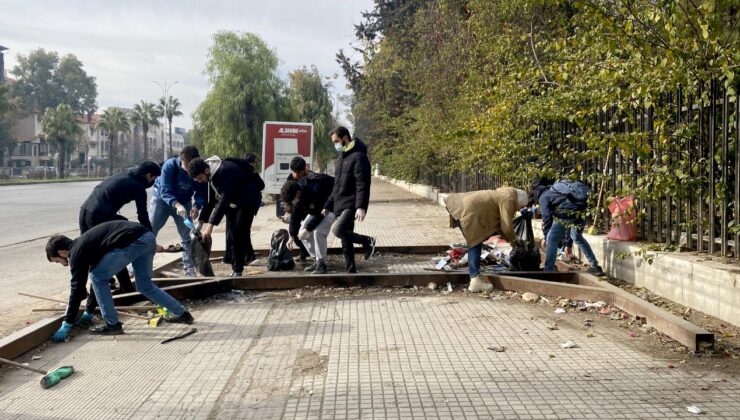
column 523, row 227
column 200, row 251
column 524, row 256
column 280, row 259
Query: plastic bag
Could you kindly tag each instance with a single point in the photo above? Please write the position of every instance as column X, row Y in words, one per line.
column 624, row 219
column 280, row 258
column 523, row 227
column 524, row 256
column 201, row 253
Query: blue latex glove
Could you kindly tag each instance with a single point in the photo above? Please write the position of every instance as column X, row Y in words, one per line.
column 85, row 319
column 62, row 332
column 189, row 224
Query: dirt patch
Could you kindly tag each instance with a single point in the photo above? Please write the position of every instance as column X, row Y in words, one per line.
column 309, row 363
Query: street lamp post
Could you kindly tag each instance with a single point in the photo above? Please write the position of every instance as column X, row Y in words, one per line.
column 165, row 94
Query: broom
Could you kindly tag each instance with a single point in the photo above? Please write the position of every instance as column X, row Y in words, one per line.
column 50, row 378
column 592, row 229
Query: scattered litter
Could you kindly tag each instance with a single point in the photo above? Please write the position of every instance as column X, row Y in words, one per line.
column 35, row 357
column 598, row 305
column 25, row 364
column 530, row 297
column 544, row 299
column 564, row 302
column 588, row 323
column 694, row 409
column 671, row 366
column 432, row 285
column 568, row 345
column 497, row 349
column 590, row 334
column 632, row 334
column 552, row 327
column 449, row 287
column 442, row 263
column 605, row 311
column 552, row 356
column 560, row 310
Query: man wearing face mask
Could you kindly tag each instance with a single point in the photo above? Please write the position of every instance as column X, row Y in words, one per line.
column 103, row 205
column 234, row 191
column 351, row 195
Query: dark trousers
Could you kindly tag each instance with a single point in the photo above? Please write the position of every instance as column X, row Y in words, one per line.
column 88, row 220
column 344, row 229
column 239, row 227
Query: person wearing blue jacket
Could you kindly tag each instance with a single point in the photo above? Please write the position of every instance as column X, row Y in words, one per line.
column 560, row 216
column 173, row 196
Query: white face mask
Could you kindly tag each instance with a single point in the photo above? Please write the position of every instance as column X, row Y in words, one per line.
column 338, row 146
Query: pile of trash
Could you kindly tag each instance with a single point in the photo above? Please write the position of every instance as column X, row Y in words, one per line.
column 497, row 255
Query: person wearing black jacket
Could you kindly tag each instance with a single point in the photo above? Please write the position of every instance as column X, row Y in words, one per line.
column 351, row 195
column 305, row 198
column 102, row 251
column 107, row 199
column 236, row 188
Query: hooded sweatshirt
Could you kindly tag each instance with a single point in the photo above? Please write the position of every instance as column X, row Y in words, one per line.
column 113, row 193
column 233, row 183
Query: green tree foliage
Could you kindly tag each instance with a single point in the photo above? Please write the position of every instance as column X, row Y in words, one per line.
column 309, row 95
column 169, row 107
column 114, row 121
column 451, row 86
column 9, row 113
column 61, row 130
column 245, row 92
column 146, row 115
column 45, row 81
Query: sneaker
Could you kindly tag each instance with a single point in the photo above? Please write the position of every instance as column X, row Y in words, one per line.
column 185, row 318
column 596, row 271
column 235, row 274
column 478, row 285
column 370, row 249
column 310, row 268
column 320, row 268
column 190, row 272
column 107, row 329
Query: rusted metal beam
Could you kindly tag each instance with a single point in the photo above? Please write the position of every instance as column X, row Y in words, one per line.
column 26, row 339
column 549, row 288
column 398, row 249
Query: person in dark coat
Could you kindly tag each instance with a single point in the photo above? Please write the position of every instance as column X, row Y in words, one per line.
column 304, row 197
column 350, row 197
column 100, row 252
column 236, row 188
column 104, row 203
column 251, row 158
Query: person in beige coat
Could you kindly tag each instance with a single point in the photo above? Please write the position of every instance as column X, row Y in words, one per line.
column 480, row 214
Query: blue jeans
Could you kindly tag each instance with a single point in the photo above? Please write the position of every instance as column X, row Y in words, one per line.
column 555, row 236
column 141, row 255
column 159, row 212
column 474, row 259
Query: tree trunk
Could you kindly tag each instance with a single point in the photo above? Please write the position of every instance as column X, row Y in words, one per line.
column 61, row 162
column 110, row 154
column 146, row 142
column 170, row 155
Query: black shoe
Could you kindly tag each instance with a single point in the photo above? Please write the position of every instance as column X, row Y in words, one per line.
column 310, row 267
column 107, row 329
column 596, row 271
column 235, row 274
column 185, row 318
column 369, row 249
column 320, row 268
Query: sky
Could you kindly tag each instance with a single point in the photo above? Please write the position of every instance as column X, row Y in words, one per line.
column 127, row 45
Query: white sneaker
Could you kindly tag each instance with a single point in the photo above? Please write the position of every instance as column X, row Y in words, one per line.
column 478, row 285
column 190, row 272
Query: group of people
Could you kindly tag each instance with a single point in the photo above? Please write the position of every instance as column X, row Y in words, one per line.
column 479, row 214
column 188, row 188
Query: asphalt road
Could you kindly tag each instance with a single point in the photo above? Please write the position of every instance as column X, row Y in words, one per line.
column 29, row 214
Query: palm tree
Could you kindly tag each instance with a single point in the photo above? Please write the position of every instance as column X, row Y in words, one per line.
column 114, row 121
column 145, row 114
column 60, row 128
column 169, row 107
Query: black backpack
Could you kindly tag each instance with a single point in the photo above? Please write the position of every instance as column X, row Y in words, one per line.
column 280, row 259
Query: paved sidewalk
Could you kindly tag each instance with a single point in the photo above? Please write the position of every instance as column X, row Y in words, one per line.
column 383, row 353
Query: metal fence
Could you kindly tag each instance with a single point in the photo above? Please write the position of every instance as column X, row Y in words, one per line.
column 696, row 147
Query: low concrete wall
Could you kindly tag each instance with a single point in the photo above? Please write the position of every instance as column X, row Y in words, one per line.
column 691, row 280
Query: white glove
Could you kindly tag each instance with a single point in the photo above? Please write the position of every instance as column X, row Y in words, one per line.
column 291, row 243
column 303, row 234
column 360, row 215
column 181, row 210
column 286, row 218
column 324, row 212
